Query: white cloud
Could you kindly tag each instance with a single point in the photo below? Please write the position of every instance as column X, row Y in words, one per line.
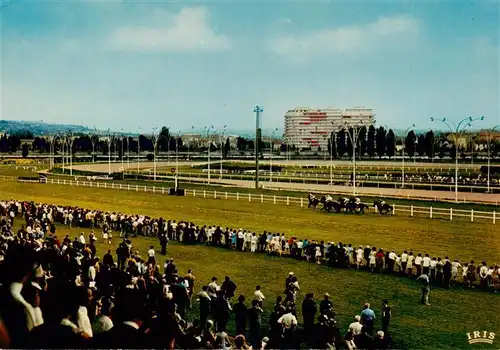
column 385, row 32
column 187, row 31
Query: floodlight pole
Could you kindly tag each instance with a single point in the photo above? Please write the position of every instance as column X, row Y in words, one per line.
column 411, row 127
column 457, row 131
column 271, row 157
column 257, row 110
column 207, row 128
column 489, row 154
column 221, row 149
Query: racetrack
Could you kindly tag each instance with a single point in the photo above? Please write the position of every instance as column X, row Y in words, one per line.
column 307, row 187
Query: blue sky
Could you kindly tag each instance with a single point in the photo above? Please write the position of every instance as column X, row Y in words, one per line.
column 121, row 64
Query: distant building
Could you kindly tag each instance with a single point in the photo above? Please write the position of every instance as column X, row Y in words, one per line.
column 310, row 128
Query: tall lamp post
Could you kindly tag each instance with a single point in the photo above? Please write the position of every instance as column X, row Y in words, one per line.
column 177, row 158
column 154, row 139
column 71, row 140
column 411, row 127
column 109, row 140
column 354, row 139
column 207, row 129
column 489, row 135
column 271, row 156
column 457, row 130
column 257, row 110
column 221, row 149
column 331, row 153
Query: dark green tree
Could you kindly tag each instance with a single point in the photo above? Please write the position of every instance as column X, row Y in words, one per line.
column 391, row 144
column 429, row 144
column 164, row 139
column 381, row 141
column 410, row 144
column 25, row 150
column 370, row 143
column 227, row 148
column 341, row 143
column 362, row 134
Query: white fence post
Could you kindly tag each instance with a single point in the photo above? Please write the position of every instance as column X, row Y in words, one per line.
column 301, row 202
column 215, row 194
column 204, row 194
column 136, row 188
column 287, row 200
column 274, row 199
column 145, row 189
column 249, row 197
column 163, row 190
column 120, row 185
column 451, row 214
column 394, row 209
column 237, row 196
column 154, row 189
column 494, row 217
column 113, row 185
column 194, row 192
column 430, row 212
column 226, row 194
column 77, row 184
column 472, row 215
column 128, row 186
column 411, row 210
column 261, row 198
column 105, row 185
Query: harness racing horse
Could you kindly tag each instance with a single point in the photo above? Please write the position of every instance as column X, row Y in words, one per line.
column 313, row 201
column 382, row 207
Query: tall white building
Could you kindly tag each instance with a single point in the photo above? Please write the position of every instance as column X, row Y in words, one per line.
column 307, row 127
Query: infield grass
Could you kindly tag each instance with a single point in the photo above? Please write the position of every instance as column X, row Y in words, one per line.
column 462, row 240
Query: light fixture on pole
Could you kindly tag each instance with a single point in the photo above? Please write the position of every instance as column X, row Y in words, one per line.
column 332, row 134
column 154, row 139
column 411, row 127
column 221, row 149
column 207, row 129
column 489, row 134
column 271, row 156
column 457, row 131
column 257, row 110
column 177, row 159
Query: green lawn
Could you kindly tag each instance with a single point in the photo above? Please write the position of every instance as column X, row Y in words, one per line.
column 462, row 240
column 443, row 325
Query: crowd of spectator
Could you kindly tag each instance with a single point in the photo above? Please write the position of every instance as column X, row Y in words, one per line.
column 58, row 293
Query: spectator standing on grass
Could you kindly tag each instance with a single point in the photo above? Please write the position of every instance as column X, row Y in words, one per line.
column 258, row 295
column 255, row 323
column 228, row 287
column 309, row 310
column 386, row 315
column 426, row 264
column 426, row 289
column 240, row 315
column 367, row 317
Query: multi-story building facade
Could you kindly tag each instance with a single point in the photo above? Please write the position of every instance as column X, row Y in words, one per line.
column 310, row 128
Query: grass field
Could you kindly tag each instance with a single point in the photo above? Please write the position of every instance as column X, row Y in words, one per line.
column 462, row 240
column 443, row 325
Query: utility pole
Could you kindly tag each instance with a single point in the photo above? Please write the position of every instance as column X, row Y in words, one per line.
column 257, row 110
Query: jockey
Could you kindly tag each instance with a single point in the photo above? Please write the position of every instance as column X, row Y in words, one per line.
column 345, row 199
column 357, row 200
column 328, row 198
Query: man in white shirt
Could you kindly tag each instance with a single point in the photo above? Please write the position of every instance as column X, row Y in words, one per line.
column 82, row 317
column 404, row 262
column 288, row 321
column 426, row 264
column 82, row 238
column 355, row 329
column 258, row 295
column 391, row 262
